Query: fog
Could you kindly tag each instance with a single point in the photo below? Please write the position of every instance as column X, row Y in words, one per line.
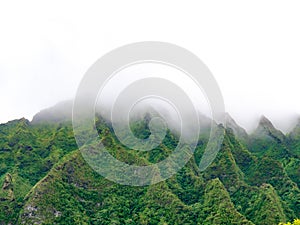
column 46, row 48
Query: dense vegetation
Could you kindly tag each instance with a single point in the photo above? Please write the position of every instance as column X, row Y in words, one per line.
column 44, row 179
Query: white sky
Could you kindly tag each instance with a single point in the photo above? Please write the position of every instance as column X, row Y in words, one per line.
column 251, row 47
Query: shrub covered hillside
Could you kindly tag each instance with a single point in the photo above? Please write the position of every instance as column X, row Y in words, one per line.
column 44, row 179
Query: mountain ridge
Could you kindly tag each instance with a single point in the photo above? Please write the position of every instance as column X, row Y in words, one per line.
column 62, row 112
column 47, row 181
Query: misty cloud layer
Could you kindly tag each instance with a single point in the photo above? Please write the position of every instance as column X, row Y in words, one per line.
column 46, row 48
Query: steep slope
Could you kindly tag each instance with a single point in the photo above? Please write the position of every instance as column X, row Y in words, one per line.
column 293, row 166
column 268, row 141
column 73, row 192
column 295, row 133
column 180, row 199
column 232, row 167
column 61, row 112
column 27, row 153
column 44, row 179
column 238, row 131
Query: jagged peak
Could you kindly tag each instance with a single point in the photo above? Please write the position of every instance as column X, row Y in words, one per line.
column 237, row 129
column 266, row 128
column 295, row 133
column 229, row 121
column 265, row 122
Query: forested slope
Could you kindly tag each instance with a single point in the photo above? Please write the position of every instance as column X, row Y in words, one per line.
column 44, row 179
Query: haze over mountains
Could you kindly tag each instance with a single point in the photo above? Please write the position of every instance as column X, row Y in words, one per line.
column 254, row 179
column 62, row 111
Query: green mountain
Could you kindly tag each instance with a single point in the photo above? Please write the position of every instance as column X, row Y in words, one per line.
column 45, row 180
column 238, row 131
column 267, row 141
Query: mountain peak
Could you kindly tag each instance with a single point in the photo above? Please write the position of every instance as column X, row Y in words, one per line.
column 229, row 121
column 295, row 133
column 265, row 122
column 266, row 128
column 60, row 112
column 237, row 130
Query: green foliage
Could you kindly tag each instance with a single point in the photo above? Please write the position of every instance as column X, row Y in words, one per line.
column 295, row 222
column 45, row 180
column 27, row 153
